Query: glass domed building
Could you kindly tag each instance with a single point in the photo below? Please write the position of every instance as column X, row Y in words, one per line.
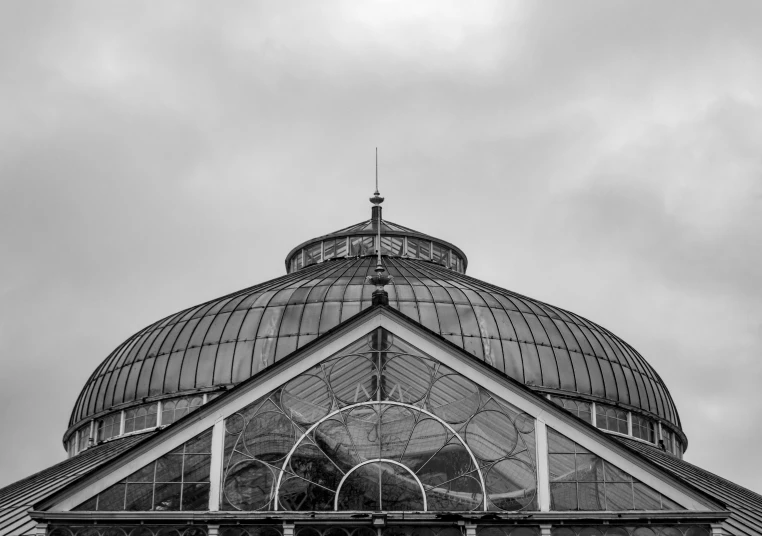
column 375, row 389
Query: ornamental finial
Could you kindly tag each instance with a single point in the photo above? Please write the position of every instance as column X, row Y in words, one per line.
column 381, row 279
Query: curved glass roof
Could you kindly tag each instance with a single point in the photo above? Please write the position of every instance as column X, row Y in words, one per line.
column 227, row 340
column 360, row 239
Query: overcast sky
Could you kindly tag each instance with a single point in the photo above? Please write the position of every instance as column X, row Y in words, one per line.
column 603, row 157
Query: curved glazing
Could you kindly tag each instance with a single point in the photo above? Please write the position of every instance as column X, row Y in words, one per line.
column 361, row 239
column 225, row 341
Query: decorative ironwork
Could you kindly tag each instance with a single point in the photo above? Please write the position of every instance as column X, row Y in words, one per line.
column 127, row 530
column 379, row 427
column 650, row 530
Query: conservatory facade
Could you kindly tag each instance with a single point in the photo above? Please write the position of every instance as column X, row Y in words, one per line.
column 336, row 402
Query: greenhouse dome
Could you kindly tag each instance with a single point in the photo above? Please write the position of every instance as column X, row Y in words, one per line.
column 177, row 364
column 375, row 390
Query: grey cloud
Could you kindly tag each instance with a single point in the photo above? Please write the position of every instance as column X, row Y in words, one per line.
column 602, row 158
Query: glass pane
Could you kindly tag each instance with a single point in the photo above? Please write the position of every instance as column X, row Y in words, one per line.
column 297, row 494
column 167, row 496
column 396, row 246
column 562, row 467
column 646, row 498
column 341, row 247
column 329, row 249
column 248, row 485
column 355, row 246
column 112, row 499
column 511, row 485
column 368, row 245
column 491, row 435
column 196, row 468
column 424, row 250
column 591, row 496
column 454, row 398
column 310, row 463
column 428, row 437
column 195, row 497
column 563, row 496
column 306, row 398
column 169, row 468
column 412, row 248
column 139, row 497
column 399, row 489
column 619, row 496
column 360, row 490
column 459, row 494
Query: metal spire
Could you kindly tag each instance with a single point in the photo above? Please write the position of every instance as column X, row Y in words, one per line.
column 380, row 297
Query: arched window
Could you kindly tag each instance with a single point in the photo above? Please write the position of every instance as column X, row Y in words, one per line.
column 379, row 427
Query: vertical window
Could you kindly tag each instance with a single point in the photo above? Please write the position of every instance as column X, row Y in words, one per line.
column 84, row 438
column 610, row 418
column 391, row 245
column 108, row 426
column 173, row 410
column 341, row 247
column 368, row 246
column 578, row 408
column 312, row 254
column 412, row 248
column 437, row 254
column 329, row 249
column 643, row 428
column 299, row 264
column 140, row 418
column 424, row 250
column 355, row 246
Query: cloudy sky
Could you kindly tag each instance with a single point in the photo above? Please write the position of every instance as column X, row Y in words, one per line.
column 603, row 157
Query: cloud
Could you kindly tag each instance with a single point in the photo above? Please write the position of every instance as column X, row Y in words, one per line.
column 600, row 157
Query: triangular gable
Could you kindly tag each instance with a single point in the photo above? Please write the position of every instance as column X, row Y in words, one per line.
column 305, row 372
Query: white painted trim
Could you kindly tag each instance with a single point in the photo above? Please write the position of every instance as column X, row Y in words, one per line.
column 543, row 468
column 629, row 423
column 121, row 423
column 215, row 470
column 718, row 529
column 159, row 407
column 439, row 350
column 593, row 414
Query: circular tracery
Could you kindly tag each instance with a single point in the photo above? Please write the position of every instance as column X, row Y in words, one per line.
column 382, row 431
column 377, row 428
